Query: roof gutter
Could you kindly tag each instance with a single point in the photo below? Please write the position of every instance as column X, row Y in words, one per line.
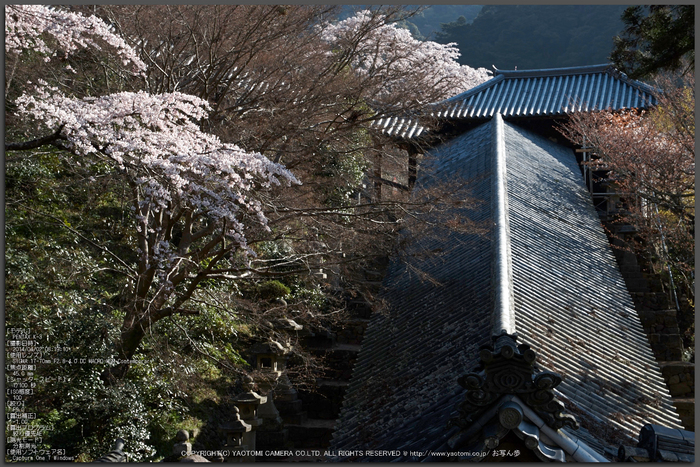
column 503, row 318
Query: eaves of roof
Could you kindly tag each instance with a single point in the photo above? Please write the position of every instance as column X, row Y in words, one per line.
column 551, row 93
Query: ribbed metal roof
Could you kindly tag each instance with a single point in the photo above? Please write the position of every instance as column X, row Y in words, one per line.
column 535, row 93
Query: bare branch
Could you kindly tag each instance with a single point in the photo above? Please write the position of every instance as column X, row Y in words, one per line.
column 36, row 143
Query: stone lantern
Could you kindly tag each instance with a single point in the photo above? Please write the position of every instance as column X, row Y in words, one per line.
column 234, row 432
column 269, row 361
column 248, row 402
column 269, row 357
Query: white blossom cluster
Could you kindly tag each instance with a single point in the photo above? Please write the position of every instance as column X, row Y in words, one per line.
column 156, row 140
column 26, row 26
column 393, row 53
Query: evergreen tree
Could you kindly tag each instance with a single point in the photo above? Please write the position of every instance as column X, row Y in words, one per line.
column 657, row 37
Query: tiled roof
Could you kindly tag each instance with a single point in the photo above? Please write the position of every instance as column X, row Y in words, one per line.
column 535, row 93
column 550, row 92
column 404, row 388
column 571, row 307
column 571, row 301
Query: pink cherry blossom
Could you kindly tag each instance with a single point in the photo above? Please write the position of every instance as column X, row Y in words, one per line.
column 157, row 141
column 27, row 27
column 154, row 139
column 383, row 49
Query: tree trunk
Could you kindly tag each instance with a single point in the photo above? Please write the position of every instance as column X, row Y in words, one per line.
column 131, row 337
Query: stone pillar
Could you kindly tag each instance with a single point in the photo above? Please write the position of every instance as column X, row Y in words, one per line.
column 182, row 448
column 248, row 403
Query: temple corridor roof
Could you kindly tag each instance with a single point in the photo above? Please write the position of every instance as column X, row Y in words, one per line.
column 543, row 276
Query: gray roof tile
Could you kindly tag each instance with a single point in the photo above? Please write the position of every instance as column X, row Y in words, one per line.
column 571, row 306
column 536, row 93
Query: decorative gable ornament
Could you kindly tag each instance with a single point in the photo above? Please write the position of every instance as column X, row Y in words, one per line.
column 509, row 369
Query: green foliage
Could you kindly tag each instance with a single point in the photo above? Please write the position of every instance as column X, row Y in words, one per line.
column 312, row 295
column 536, row 36
column 656, row 37
column 272, row 289
column 63, row 288
column 342, row 169
column 94, row 415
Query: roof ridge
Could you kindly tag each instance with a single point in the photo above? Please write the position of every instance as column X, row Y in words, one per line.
column 574, row 70
column 503, row 318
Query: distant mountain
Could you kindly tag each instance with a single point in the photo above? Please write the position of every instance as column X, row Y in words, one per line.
column 536, row 36
column 426, row 24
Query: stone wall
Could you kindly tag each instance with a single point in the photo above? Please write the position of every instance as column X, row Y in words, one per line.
column 661, row 327
column 680, row 379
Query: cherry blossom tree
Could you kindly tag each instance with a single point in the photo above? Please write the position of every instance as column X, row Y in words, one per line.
column 412, row 69
column 193, row 197
column 27, row 27
column 286, row 82
column 282, row 74
column 167, row 126
column 266, row 85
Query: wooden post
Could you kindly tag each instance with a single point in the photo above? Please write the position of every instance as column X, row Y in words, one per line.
column 412, row 167
column 378, row 174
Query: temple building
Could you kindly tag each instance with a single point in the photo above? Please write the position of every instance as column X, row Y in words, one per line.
column 518, row 340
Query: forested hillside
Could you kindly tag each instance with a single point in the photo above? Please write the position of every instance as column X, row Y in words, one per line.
column 425, row 24
column 428, row 22
column 536, row 36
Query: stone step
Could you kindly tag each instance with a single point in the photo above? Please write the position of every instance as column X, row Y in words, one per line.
column 311, row 434
column 271, row 439
column 326, row 401
column 294, row 418
column 319, row 341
